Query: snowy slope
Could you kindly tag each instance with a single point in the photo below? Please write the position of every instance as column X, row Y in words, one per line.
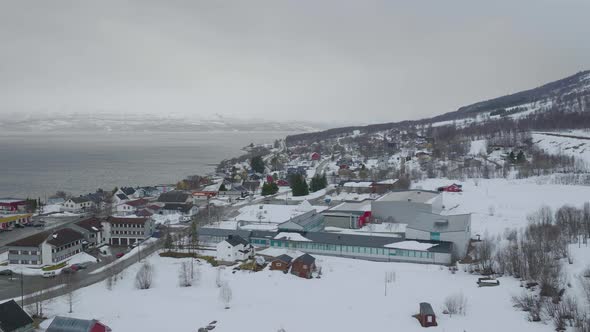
column 569, row 146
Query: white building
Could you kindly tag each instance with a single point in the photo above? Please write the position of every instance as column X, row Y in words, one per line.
column 404, row 206
column 234, row 248
column 78, row 204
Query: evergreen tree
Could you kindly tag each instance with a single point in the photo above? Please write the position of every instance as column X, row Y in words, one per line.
column 318, row 182
column 299, row 186
column 269, row 189
column 512, row 157
column 222, row 187
column 520, row 158
column 257, row 164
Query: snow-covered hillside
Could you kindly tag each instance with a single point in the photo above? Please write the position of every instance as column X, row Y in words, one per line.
column 574, row 143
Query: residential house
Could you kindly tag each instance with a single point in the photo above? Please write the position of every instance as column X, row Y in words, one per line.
column 68, row 324
column 132, row 206
column 381, row 187
column 361, row 187
column 281, row 263
column 426, row 316
column 12, row 205
column 303, row 266
column 127, row 191
column 28, row 250
column 315, row 156
column 119, row 198
column 55, row 200
column 185, row 209
column 14, row 319
column 175, row 196
column 7, row 221
column 236, row 191
column 234, row 248
column 127, row 231
column 78, row 204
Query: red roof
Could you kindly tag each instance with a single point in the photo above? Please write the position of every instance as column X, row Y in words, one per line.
column 137, row 202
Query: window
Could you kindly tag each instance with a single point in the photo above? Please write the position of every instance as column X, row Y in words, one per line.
column 279, row 264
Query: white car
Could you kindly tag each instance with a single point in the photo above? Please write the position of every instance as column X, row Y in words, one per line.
column 49, row 274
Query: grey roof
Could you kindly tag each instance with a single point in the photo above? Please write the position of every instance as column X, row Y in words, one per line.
column 174, row 196
column 13, row 317
column 235, row 240
column 80, row 199
column 284, row 258
column 206, row 231
column 306, row 259
column 64, row 236
column 182, row 207
column 430, row 222
column 66, row 324
column 122, row 197
column 426, row 309
column 128, row 190
column 353, row 207
column 302, row 220
column 419, row 196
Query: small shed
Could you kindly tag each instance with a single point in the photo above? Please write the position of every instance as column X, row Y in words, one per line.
column 14, row 319
column 303, row 266
column 67, row 324
column 281, row 263
column 427, row 317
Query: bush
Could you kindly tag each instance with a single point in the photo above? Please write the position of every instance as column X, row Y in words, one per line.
column 144, row 277
column 55, row 267
column 456, row 304
column 529, row 303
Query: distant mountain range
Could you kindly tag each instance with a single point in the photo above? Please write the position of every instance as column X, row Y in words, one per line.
column 570, row 94
column 64, row 123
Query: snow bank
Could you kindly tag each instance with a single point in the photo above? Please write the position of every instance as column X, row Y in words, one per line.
column 291, row 237
column 410, row 245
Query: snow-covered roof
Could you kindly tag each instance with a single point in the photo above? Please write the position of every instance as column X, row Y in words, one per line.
column 419, row 196
column 352, row 206
column 410, row 245
column 273, row 213
column 357, row 184
column 389, row 181
column 291, row 237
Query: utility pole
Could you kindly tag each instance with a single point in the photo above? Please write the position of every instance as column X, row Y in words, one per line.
column 22, row 290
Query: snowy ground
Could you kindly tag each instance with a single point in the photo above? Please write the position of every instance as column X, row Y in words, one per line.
column 336, row 302
column 578, row 148
column 510, row 201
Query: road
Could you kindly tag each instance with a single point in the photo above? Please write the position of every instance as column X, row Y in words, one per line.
column 76, row 280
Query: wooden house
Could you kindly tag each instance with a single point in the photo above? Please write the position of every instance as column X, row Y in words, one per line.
column 281, row 263
column 303, row 266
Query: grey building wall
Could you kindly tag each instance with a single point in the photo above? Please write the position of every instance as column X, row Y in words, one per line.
column 25, row 255
column 401, row 212
column 342, row 221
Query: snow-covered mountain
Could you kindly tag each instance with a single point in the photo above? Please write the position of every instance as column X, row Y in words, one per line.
column 108, row 122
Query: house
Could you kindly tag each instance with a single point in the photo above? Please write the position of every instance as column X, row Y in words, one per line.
column 144, row 213
column 68, row 324
column 315, row 156
column 78, row 204
column 361, row 187
column 127, row 231
column 119, row 198
column 236, row 191
column 234, row 248
column 130, row 207
column 9, row 204
column 426, row 316
column 92, row 230
column 281, row 263
column 55, row 200
column 127, row 191
column 381, row 187
column 175, row 196
column 282, row 183
column 185, row 209
column 449, row 228
column 10, row 220
column 303, row 266
column 14, row 319
column 45, row 248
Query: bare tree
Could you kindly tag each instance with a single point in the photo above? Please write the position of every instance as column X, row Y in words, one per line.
column 531, row 304
column 185, row 275
column 218, row 281
column 456, row 304
column 225, row 294
column 144, row 277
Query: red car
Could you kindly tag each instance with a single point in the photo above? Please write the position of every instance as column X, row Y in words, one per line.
column 119, row 255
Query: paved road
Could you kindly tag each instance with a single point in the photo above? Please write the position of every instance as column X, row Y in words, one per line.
column 74, row 281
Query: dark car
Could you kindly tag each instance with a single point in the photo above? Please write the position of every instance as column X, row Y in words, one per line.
column 19, row 226
column 68, row 270
column 6, row 273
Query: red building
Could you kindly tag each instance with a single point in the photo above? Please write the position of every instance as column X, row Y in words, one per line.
column 315, row 156
column 426, row 316
column 12, row 204
column 454, row 188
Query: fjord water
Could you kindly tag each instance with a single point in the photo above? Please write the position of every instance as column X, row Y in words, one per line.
column 38, row 164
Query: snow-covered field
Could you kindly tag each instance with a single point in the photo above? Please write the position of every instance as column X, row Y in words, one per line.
column 350, row 296
column 498, row 204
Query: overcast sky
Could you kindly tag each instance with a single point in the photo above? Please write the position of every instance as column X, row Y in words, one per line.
column 347, row 61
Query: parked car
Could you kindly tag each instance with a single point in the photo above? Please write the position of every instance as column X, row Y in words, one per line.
column 6, row 273
column 19, row 226
column 38, row 225
column 119, row 255
column 68, row 270
column 49, row 274
column 74, row 267
column 82, row 266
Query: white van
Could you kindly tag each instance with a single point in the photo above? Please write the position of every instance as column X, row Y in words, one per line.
column 49, row 274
